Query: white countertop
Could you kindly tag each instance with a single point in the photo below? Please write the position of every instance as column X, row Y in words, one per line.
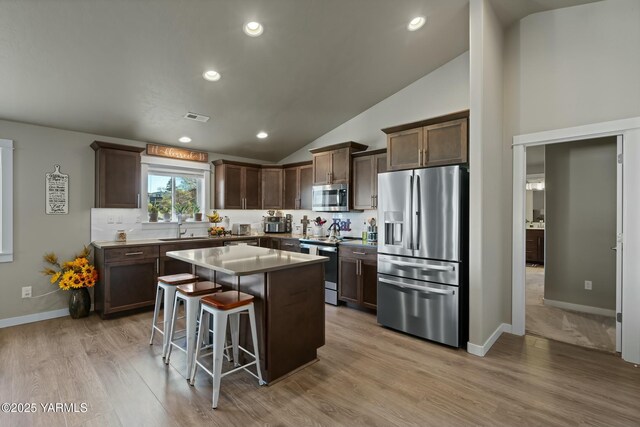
column 245, row 260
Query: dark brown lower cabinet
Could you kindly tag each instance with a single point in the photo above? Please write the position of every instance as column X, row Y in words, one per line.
column 358, row 276
column 127, row 279
column 291, row 245
column 535, row 246
column 170, row 265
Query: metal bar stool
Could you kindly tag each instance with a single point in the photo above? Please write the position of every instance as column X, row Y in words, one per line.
column 221, row 306
column 190, row 295
column 167, row 288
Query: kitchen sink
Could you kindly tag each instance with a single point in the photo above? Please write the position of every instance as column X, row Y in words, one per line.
column 183, row 239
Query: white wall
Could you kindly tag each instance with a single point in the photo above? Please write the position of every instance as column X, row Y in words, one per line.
column 442, row 91
column 37, row 150
column 573, row 66
column 488, row 284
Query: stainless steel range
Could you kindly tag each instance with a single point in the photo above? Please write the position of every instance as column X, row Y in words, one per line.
column 328, row 248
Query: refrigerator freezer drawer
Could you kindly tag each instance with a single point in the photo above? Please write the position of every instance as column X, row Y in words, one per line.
column 428, row 310
column 420, row 269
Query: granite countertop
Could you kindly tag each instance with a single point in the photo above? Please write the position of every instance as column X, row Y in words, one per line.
column 358, row 242
column 184, row 240
column 245, row 260
column 147, row 242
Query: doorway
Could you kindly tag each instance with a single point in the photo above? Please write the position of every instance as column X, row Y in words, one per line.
column 570, row 229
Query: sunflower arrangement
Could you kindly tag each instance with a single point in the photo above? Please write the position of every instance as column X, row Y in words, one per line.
column 75, row 274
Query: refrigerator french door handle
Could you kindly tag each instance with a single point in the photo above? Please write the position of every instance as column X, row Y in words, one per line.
column 416, row 215
column 423, row 266
column 410, row 211
column 422, row 289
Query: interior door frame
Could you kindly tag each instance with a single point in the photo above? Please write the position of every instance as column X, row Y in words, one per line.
column 627, row 129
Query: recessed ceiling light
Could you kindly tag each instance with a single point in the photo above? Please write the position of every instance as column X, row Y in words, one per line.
column 262, row 135
column 184, row 139
column 253, row 29
column 416, row 23
column 211, row 75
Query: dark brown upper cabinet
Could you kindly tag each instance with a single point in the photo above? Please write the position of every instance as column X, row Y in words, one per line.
column 238, row 185
column 272, row 191
column 332, row 164
column 433, row 142
column 298, row 182
column 366, row 167
column 117, row 175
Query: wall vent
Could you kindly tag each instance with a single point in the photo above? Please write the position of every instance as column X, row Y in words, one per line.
column 197, row 117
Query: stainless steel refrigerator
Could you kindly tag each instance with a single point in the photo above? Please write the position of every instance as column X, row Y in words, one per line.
column 422, row 253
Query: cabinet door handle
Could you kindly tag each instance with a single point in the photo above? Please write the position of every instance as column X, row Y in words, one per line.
column 133, row 253
column 359, row 253
column 138, row 198
column 420, row 156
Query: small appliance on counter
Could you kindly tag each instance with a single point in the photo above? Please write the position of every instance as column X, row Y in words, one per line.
column 241, row 229
column 275, row 224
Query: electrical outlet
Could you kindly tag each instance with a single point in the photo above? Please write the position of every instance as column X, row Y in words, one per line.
column 588, row 285
column 138, row 219
column 110, row 219
column 119, row 219
column 26, row 292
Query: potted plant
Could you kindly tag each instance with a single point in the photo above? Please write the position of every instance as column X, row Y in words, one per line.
column 164, row 208
column 152, row 208
column 197, row 214
column 75, row 276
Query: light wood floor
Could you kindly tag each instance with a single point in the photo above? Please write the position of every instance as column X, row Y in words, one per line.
column 366, row 376
column 573, row 327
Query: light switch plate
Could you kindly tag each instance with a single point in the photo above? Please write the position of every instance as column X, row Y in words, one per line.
column 588, row 285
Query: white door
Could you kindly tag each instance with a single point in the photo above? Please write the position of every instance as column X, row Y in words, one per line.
column 618, row 248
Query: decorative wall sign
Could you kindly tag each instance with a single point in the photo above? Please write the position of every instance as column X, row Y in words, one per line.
column 57, row 192
column 177, row 153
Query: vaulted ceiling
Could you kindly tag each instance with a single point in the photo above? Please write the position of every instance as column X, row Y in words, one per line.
column 133, row 68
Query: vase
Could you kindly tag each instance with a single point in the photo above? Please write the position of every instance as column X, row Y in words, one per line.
column 198, row 216
column 153, row 216
column 79, row 303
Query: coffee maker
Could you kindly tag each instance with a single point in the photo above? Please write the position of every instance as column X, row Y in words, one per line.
column 275, row 224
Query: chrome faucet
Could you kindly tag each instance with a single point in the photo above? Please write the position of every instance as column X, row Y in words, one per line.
column 180, row 233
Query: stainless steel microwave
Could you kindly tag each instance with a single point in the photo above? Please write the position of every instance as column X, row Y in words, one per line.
column 330, row 198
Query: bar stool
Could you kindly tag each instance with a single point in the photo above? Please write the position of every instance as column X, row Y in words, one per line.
column 167, row 288
column 221, row 306
column 190, row 295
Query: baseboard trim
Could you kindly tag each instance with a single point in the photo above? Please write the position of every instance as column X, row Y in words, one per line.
column 581, row 308
column 481, row 350
column 36, row 317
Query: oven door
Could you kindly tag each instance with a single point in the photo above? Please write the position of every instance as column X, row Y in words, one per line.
column 330, row 198
column 330, row 270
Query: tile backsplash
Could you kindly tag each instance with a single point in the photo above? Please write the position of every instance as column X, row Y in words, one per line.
column 106, row 222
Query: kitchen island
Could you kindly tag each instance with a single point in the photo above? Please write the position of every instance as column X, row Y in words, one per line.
column 289, row 300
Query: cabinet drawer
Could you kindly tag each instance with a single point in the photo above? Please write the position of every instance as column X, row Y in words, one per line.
column 199, row 244
column 130, row 253
column 291, row 245
column 359, row 252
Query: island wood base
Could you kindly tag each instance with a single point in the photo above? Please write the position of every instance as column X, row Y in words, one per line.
column 289, row 306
